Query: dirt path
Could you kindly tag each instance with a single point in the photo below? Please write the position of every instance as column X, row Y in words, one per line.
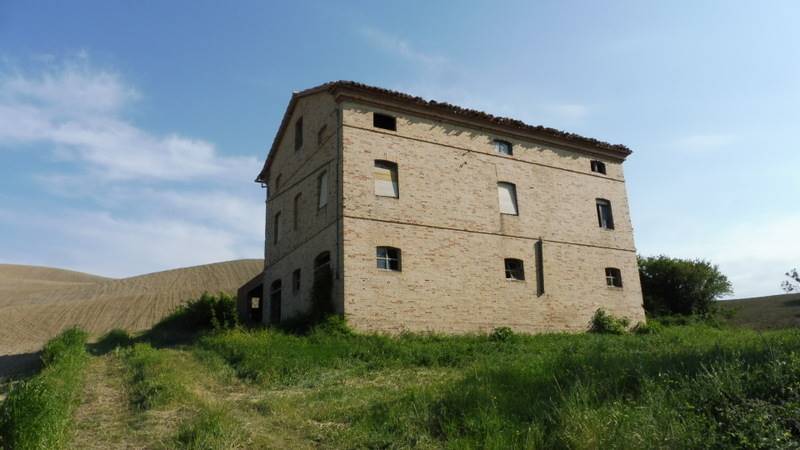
column 102, row 419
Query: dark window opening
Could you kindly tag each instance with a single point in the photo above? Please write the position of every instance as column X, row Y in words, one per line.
column 514, row 269
column 388, row 258
column 298, row 134
column 276, row 228
column 296, row 281
column 256, row 306
column 599, row 167
column 604, row 216
column 384, row 121
column 296, row 222
column 321, row 135
column 503, row 147
column 322, row 262
column 538, row 249
column 613, row 277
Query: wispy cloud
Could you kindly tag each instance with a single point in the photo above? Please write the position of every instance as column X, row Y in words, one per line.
column 138, row 201
column 78, row 110
column 402, row 48
column 704, row 142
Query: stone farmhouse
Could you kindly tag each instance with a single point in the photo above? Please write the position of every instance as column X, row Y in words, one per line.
column 432, row 217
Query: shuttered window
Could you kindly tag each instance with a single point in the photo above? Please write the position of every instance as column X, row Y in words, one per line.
column 322, row 189
column 507, row 194
column 385, row 175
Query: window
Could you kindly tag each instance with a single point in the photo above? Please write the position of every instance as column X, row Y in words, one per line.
column 277, row 183
column 507, row 194
column 322, row 261
column 613, row 277
column 276, row 228
column 385, row 175
column 503, row 147
column 296, row 281
column 322, row 189
column 388, row 258
column 321, row 134
column 514, row 269
column 298, row 134
column 537, row 251
column 384, row 121
column 598, row 166
column 296, row 221
column 604, row 217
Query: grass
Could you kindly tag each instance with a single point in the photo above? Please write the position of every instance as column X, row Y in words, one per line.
column 38, row 412
column 764, row 313
column 689, row 386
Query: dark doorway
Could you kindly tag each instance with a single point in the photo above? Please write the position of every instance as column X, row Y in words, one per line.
column 275, row 302
column 255, row 300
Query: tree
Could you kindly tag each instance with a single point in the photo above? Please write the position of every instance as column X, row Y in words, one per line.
column 681, row 286
column 793, row 283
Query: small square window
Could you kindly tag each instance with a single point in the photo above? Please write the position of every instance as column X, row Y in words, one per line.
column 598, row 166
column 388, row 258
column 503, row 147
column 384, row 121
column 514, row 269
column 613, row 277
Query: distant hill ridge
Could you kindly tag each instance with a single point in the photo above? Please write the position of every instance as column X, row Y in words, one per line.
column 38, row 302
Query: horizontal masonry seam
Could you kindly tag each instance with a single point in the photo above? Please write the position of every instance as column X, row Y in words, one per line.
column 305, row 241
column 489, row 233
column 455, row 147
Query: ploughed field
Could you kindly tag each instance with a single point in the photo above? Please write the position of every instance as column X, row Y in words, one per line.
column 690, row 386
column 36, row 303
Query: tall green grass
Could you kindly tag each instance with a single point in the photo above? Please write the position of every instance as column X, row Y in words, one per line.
column 691, row 386
column 37, row 413
column 152, row 376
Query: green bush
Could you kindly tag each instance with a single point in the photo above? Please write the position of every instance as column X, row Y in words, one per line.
column 37, row 413
column 674, row 286
column 204, row 313
column 501, row 334
column 650, row 327
column 605, row 323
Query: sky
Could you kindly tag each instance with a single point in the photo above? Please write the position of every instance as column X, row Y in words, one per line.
column 131, row 132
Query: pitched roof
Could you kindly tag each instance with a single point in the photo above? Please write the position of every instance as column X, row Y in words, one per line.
column 445, row 109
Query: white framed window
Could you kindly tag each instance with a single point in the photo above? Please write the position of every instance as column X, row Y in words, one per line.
column 613, row 277
column 322, row 189
column 503, row 147
column 515, row 269
column 388, row 258
column 385, row 175
column 507, row 196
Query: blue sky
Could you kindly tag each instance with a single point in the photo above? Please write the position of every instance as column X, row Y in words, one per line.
column 130, row 132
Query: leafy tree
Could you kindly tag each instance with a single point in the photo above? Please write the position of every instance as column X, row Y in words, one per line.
column 793, row 283
column 681, row 286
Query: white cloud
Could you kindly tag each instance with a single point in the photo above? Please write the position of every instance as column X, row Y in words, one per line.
column 130, row 201
column 704, row 142
column 401, row 47
column 78, row 110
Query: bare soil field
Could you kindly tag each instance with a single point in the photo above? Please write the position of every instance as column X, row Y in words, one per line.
column 36, row 303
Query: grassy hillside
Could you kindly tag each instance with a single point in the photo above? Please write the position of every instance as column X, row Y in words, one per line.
column 36, row 303
column 765, row 313
column 682, row 387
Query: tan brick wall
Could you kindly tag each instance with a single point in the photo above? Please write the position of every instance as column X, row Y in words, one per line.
column 316, row 231
column 454, row 239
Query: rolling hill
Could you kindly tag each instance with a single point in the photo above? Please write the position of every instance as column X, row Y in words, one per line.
column 765, row 313
column 38, row 302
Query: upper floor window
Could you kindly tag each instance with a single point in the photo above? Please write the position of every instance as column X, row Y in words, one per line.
column 297, row 199
column 604, row 216
column 598, row 166
column 321, row 134
column 385, row 174
column 296, row 281
column 321, row 263
column 298, row 134
column 276, row 227
column 507, row 194
column 388, row 258
column 514, row 269
column 277, row 183
column 384, row 121
column 503, row 147
column 322, row 189
column 613, row 277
